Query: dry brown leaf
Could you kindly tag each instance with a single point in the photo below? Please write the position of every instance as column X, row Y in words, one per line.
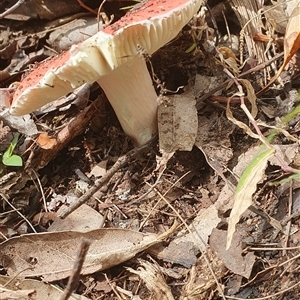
column 184, row 248
column 99, row 170
column 213, row 139
column 44, row 9
column 250, row 95
column 51, row 255
column 76, row 31
column 24, row 125
column 41, row 289
column 229, row 59
column 200, row 280
column 43, row 218
column 292, row 36
column 75, row 221
column 3, row 76
column 45, row 141
column 291, row 42
column 10, row 295
column 252, row 99
column 234, row 259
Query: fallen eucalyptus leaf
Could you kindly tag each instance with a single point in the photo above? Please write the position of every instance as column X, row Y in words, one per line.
column 41, row 290
column 51, row 255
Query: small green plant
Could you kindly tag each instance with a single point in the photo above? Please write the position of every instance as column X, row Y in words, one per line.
column 8, row 158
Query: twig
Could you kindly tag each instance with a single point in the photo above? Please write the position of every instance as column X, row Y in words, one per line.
column 151, row 187
column 289, row 224
column 86, row 7
column 112, row 287
column 286, row 168
column 120, row 163
column 74, row 277
column 40, row 187
column 15, row 277
column 11, row 9
column 200, row 99
column 16, row 210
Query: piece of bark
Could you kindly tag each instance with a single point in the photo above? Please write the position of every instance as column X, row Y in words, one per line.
column 41, row 157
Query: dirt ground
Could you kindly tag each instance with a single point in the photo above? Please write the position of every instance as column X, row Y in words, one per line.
column 156, row 221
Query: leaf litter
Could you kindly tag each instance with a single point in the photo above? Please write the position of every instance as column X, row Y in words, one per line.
column 205, row 172
column 53, row 254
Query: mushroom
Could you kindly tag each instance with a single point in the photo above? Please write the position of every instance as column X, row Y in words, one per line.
column 113, row 58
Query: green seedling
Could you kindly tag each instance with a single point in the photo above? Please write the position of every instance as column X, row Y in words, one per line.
column 8, row 158
column 191, row 48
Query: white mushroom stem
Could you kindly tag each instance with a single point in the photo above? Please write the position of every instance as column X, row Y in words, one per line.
column 130, row 91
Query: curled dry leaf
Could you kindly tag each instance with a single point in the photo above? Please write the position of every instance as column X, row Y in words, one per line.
column 227, row 57
column 45, row 141
column 51, row 255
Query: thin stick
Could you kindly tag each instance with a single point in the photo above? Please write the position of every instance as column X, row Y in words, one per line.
column 11, row 9
column 15, row 277
column 17, row 211
column 120, row 163
column 74, row 277
column 223, row 85
column 40, row 187
column 289, row 224
column 86, row 7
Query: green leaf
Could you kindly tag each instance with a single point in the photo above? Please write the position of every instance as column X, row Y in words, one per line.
column 13, row 161
column 11, row 147
column 10, row 159
column 246, row 188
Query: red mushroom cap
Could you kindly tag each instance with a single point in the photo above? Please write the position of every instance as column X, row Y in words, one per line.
column 110, row 55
